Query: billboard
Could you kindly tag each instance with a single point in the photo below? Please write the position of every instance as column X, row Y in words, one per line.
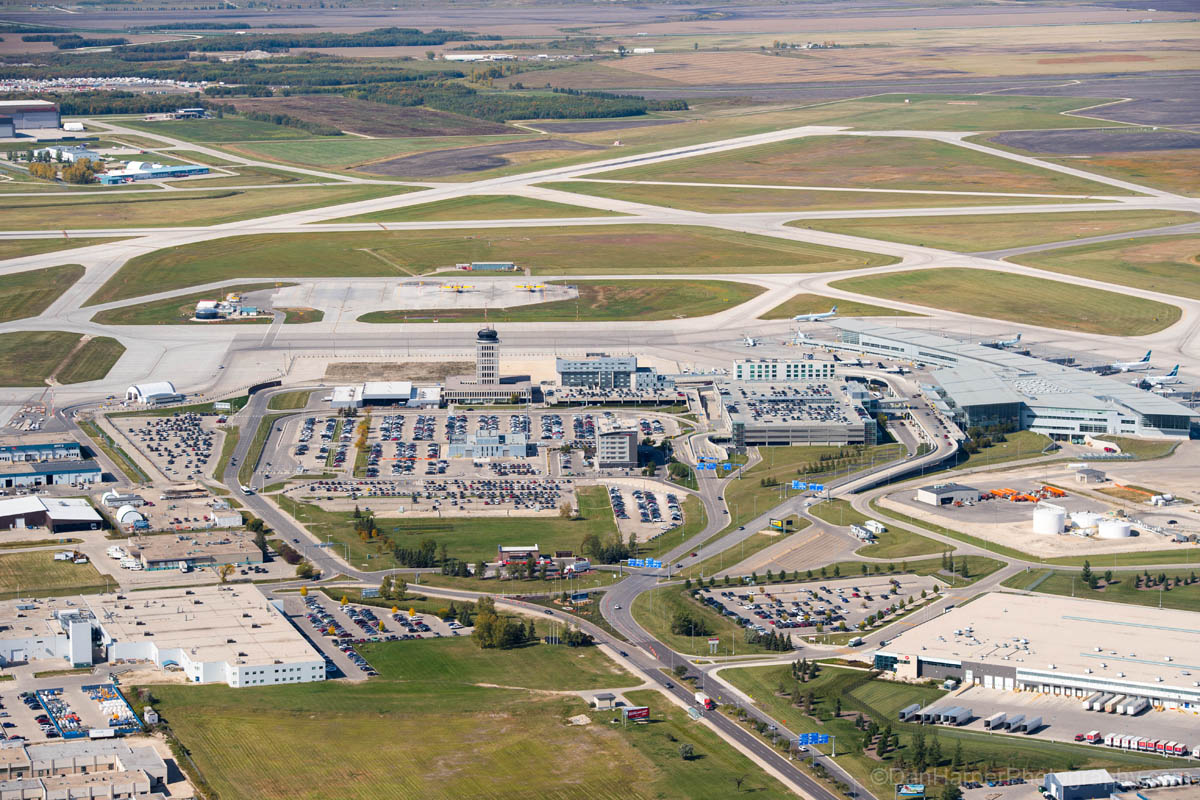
column 910, row 790
column 636, row 712
column 781, row 524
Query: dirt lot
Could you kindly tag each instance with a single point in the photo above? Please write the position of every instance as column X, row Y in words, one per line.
column 371, row 119
column 467, row 159
column 352, row 371
column 602, row 125
column 1099, row 140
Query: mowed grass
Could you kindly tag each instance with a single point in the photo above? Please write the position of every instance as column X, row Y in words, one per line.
column 28, row 357
column 175, row 310
column 980, row 232
column 819, row 304
column 894, row 543
column 1123, row 589
column 28, row 294
column 227, row 129
column 733, row 199
column 655, row 609
column 37, row 574
column 607, row 249
column 874, row 162
column 1019, row 298
column 601, row 301
column 1167, row 264
column 92, row 361
column 466, row 538
column 480, row 207
column 347, row 152
column 18, row 248
column 176, row 208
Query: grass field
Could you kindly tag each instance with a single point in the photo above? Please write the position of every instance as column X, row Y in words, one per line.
column 466, row 538
column 404, row 733
column 92, row 361
column 1175, row 173
column 1016, row 446
column 880, row 700
column 1167, row 264
column 1123, row 589
column 207, row 131
column 37, row 574
column 864, row 162
column 114, row 451
column 1019, row 298
column 288, row 401
column 725, row 200
column 177, row 208
column 371, row 119
column 974, row 233
column 28, row 294
column 614, row 249
column 480, row 207
column 818, row 304
column 175, row 310
column 601, row 301
column 894, row 543
column 654, row 609
column 27, row 358
column 250, row 463
column 17, row 248
column 338, row 153
column 1142, row 449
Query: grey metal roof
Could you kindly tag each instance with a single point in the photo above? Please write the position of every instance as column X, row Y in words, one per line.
column 1083, row 777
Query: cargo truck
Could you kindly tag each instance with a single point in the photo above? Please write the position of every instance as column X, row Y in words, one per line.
column 995, row 722
column 1092, row 737
column 705, row 701
column 1110, row 739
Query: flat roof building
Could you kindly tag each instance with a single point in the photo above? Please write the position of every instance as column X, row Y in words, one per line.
column 70, row 154
column 1085, row 784
column 197, row 550
column 49, row 473
column 783, row 370
column 757, row 414
column 142, row 171
column 500, row 445
column 986, row 387
column 93, row 768
column 25, row 448
column 596, row 371
column 1055, row 645
column 945, row 494
column 31, row 114
column 616, row 447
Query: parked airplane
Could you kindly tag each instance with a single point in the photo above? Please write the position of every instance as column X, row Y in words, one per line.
column 1129, row 366
column 749, row 341
column 854, row 362
column 897, row 370
column 1016, row 340
column 815, row 317
column 1160, row 380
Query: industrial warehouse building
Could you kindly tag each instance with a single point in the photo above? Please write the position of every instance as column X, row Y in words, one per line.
column 1087, row 784
column 58, row 514
column 50, row 449
column 69, row 154
column 195, row 549
column 1057, row 646
column 783, row 370
column 143, row 171
column 31, row 114
column 756, row 414
column 49, row 473
column 7, row 129
column 985, row 386
column 947, row 494
column 96, row 768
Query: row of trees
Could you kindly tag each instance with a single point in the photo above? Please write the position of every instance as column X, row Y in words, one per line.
column 495, row 631
column 609, row 552
column 771, row 640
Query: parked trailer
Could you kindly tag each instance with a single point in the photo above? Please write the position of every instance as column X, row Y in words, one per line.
column 1111, row 705
column 948, row 714
column 929, row 715
column 995, row 722
column 1143, row 744
column 909, row 711
column 1098, row 705
column 1015, row 722
column 1110, row 740
column 1129, row 742
column 957, row 716
column 1137, row 706
column 1087, row 704
column 1032, row 725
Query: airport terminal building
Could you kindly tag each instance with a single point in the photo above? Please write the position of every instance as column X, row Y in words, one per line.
column 1055, row 645
column 985, row 386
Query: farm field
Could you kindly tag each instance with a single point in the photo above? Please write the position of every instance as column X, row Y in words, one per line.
column 612, row 249
column 466, row 538
column 215, row 131
column 1167, row 264
column 28, row 294
column 433, row 695
column 92, row 361
column 18, row 248
column 818, row 304
column 601, row 301
column 1018, row 298
column 1122, row 589
column 371, row 119
column 176, row 310
column 732, row 199
column 975, row 233
column 480, row 207
column 36, row 574
column 177, row 208
column 348, row 152
column 864, row 161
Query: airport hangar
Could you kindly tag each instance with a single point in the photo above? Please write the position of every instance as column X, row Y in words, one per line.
column 29, row 114
column 1055, row 645
column 987, row 386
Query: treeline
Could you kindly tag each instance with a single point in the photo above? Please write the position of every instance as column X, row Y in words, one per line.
column 73, row 41
column 275, row 42
column 200, row 25
column 279, row 119
column 238, row 91
column 89, row 103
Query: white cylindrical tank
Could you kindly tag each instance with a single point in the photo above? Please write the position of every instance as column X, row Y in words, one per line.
column 1049, row 519
column 127, row 515
column 1114, row 529
column 1086, row 519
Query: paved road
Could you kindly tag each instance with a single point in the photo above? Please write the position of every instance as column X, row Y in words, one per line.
column 1170, row 230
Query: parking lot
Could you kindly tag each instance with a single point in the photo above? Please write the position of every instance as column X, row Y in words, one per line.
column 180, row 446
column 645, row 513
column 801, row 607
column 477, row 496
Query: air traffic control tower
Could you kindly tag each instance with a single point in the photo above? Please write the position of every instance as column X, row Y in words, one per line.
column 487, row 356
